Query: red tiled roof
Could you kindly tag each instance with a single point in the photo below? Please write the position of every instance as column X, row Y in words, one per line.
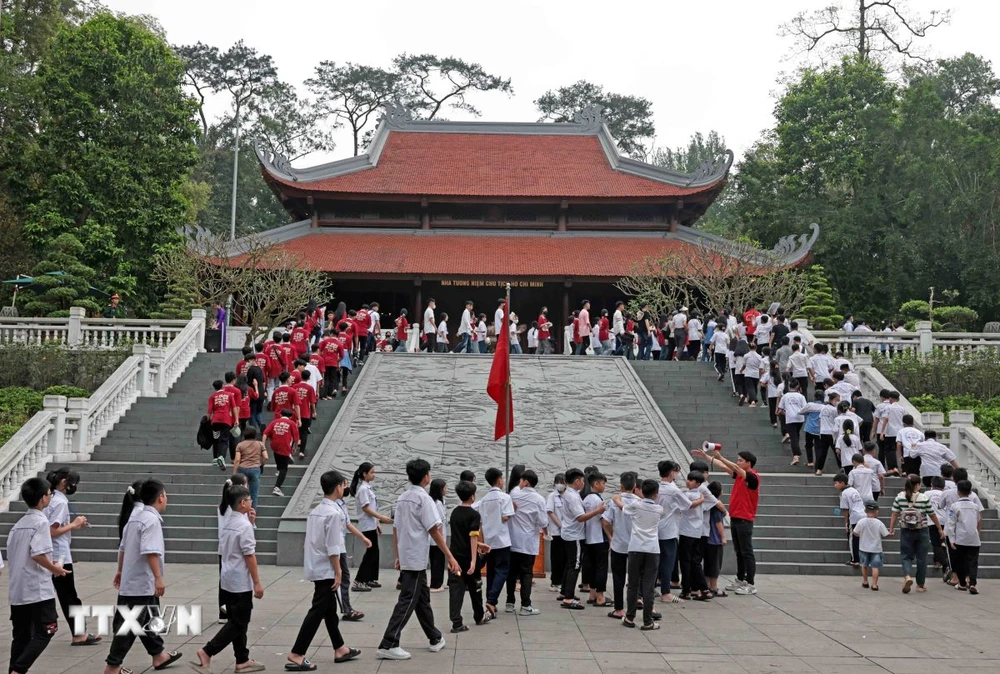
column 509, row 165
column 387, row 253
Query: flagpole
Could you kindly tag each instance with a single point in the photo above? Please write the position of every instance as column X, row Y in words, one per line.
column 507, row 392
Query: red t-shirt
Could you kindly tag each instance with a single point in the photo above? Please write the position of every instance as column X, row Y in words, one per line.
column 275, row 359
column 346, row 342
column 576, row 331
column 283, row 433
column 220, row 408
column 602, row 333
column 307, row 398
column 294, row 377
column 245, row 403
column 543, row 333
column 287, row 356
column 284, row 398
column 362, row 320
column 317, row 359
column 300, row 341
column 235, row 393
column 243, row 367
column 743, row 499
column 748, row 319
column 263, row 362
column 331, row 347
column 401, row 326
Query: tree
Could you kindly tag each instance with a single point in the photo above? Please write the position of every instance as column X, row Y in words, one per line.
column 268, row 284
column 876, row 30
column 420, row 73
column 820, row 303
column 700, row 150
column 61, row 280
column 628, row 118
column 114, row 147
column 286, row 124
column 353, row 93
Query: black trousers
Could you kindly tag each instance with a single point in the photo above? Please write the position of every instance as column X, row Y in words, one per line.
column 221, row 444
column 368, row 569
column 239, row 606
column 595, row 566
column 692, row 573
column 855, row 546
column 345, row 585
column 793, row 430
column 746, row 562
column 458, row 586
column 694, row 349
column 911, row 465
column 281, row 462
column 437, row 567
column 66, row 594
column 965, row 560
column 415, row 597
column 322, row 610
column 570, row 572
column 751, row 386
column 887, row 453
column 720, row 363
column 32, row 628
column 619, row 572
column 330, row 379
column 823, row 450
column 557, row 559
column 122, row 644
column 304, row 426
column 739, row 383
column 939, row 549
column 522, row 570
column 642, row 570
column 812, row 448
column 803, row 386
column 772, row 408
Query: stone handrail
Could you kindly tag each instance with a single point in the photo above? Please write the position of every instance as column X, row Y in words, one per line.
column 34, row 331
column 78, row 331
column 70, row 429
column 920, row 340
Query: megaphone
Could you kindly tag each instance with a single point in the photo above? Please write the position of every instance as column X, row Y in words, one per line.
column 710, row 446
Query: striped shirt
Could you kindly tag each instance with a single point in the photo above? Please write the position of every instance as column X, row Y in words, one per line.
column 921, row 502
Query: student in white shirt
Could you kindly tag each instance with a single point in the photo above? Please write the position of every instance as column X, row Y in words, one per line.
column 693, row 582
column 442, row 334
column 572, row 533
column 368, row 523
column 791, row 405
column 694, row 337
column 618, row 528
column 555, row 511
column 498, row 326
column 878, row 470
column 860, row 478
column 481, row 333
column 752, row 369
column 870, row 531
column 438, row 490
column 430, row 327
column 495, row 509
column 932, row 455
column 139, row 578
column 799, row 368
column 30, row 592
column 533, row 338
column 416, row 517
column 720, row 348
column 63, row 482
column 594, row 566
column 674, row 503
column 965, row 521
column 239, row 582
column 907, row 438
column 465, row 330
column 643, row 560
column 891, row 416
column 852, row 507
column 528, row 520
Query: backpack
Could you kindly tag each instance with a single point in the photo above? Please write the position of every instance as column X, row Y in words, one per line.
column 204, row 437
column 911, row 517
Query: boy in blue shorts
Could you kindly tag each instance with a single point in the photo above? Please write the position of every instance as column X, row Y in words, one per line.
column 870, row 531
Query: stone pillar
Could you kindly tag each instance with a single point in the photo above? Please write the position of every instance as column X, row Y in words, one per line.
column 862, row 360
column 142, row 350
column 78, row 409
column 959, row 419
column 923, row 329
column 158, row 381
column 57, row 435
column 565, row 313
column 199, row 315
column 932, row 419
column 75, row 336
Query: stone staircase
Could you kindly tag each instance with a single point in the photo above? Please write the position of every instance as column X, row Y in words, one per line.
column 796, row 530
column 156, row 438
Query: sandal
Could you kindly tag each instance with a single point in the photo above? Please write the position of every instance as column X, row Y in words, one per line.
column 574, row 606
column 350, row 655
column 864, row 585
column 874, row 588
column 616, row 617
column 719, row 593
column 674, row 599
column 973, row 590
column 172, row 657
column 646, row 627
column 352, row 616
column 90, row 641
column 907, row 585
column 304, row 666
column 628, row 623
column 252, row 667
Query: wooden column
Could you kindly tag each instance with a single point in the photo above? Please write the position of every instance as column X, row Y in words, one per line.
column 565, row 313
column 425, row 215
column 674, row 215
column 314, row 218
column 563, row 207
column 418, row 316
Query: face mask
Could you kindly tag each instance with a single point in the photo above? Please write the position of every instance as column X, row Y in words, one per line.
column 560, row 488
column 70, row 488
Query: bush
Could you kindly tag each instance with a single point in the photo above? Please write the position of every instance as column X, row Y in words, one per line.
column 915, row 310
column 957, row 319
column 943, row 374
column 45, row 366
column 18, row 402
column 68, row 391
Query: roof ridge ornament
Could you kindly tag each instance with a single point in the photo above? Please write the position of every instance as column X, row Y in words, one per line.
column 590, row 118
column 275, row 160
column 794, row 247
column 712, row 167
column 397, row 115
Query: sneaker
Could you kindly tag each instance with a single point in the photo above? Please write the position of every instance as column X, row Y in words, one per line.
column 509, row 608
column 529, row 610
column 277, row 491
column 555, row 588
column 747, row 589
column 360, row 587
column 396, row 653
column 434, row 648
column 443, row 588
column 374, row 584
column 222, row 463
column 736, row 585
column 222, row 620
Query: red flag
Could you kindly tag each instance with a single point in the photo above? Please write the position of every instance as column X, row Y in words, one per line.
column 498, row 385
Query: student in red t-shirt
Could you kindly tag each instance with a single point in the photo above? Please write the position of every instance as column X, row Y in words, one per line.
column 283, row 434
column 300, row 338
column 347, row 338
column 295, row 375
column 307, row 409
column 577, row 339
column 742, row 511
column 317, row 360
column 285, row 398
column 331, row 349
column 287, row 352
column 223, row 411
column 402, row 327
column 361, row 322
column 607, row 344
column 544, row 332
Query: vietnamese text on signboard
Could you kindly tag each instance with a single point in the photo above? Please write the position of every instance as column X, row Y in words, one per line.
column 484, row 283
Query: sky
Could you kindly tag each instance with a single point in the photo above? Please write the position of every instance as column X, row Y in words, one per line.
column 704, row 65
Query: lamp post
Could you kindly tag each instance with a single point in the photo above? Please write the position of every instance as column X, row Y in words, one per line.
column 236, row 169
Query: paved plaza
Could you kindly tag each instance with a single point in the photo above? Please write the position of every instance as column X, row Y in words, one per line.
column 796, row 624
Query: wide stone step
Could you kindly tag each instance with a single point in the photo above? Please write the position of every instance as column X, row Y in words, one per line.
column 205, row 517
column 839, row 542
column 173, row 557
column 840, row 569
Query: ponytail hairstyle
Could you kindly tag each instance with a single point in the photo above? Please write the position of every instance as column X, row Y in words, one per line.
column 56, row 476
column 128, row 505
column 515, row 476
column 843, row 406
column 242, row 385
column 359, row 475
column 848, row 431
column 912, row 486
column 235, row 480
column 775, row 374
column 437, row 489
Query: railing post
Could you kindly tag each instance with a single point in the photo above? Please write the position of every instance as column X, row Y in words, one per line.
column 862, row 360
column 923, row 329
column 803, row 322
column 75, row 336
column 143, row 350
column 957, row 420
column 157, row 361
column 57, row 434
column 79, row 410
column 199, row 315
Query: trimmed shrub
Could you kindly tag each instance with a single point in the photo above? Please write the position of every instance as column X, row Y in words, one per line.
column 45, row 366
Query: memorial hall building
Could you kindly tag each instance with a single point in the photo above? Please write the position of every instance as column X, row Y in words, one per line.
column 455, row 210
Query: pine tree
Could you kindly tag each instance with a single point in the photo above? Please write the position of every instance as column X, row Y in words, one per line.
column 61, row 280
column 180, row 299
column 820, row 304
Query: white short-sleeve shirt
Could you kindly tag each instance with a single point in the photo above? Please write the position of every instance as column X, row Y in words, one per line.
column 235, row 543
column 645, row 517
column 324, row 538
column 554, row 504
column 528, row 520
column 850, row 500
column 416, row 515
column 932, row 456
column 674, row 504
column 58, row 513
column 142, row 536
column 492, row 509
column 621, row 523
column 870, row 531
column 29, row 582
column 572, row 529
column 366, row 497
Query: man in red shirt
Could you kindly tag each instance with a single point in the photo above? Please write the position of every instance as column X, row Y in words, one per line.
column 330, row 347
column 402, row 327
column 351, row 331
column 283, row 434
column 604, row 335
column 347, row 339
column 295, row 376
column 361, row 323
column 223, row 411
column 300, row 338
column 750, row 320
column 285, row 398
column 544, row 334
column 307, row 409
column 234, row 391
column 742, row 511
column 287, row 352
column 317, row 360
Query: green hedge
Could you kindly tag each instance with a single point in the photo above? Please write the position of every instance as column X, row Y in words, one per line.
column 987, row 411
column 40, row 367
column 19, row 403
column 944, row 374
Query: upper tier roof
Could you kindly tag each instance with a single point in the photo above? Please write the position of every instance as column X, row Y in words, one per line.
column 484, row 159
